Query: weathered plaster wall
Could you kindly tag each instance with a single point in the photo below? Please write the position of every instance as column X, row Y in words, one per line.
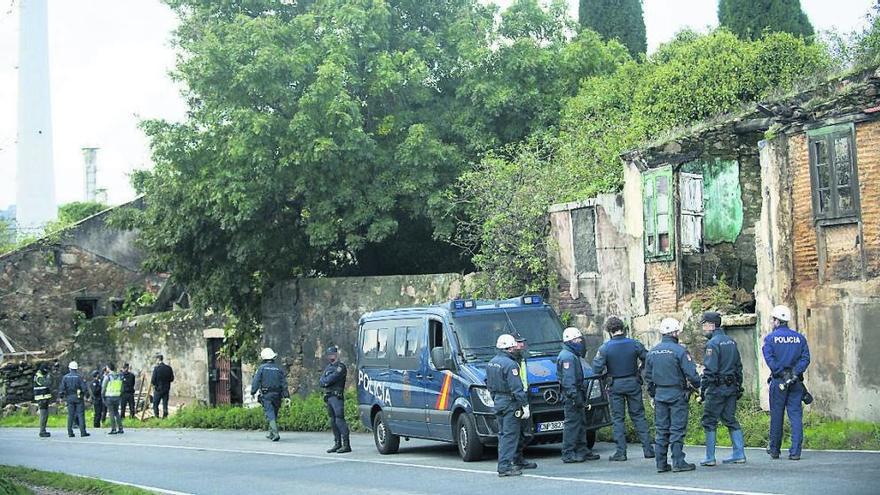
column 602, row 289
column 39, row 286
column 301, row 318
column 178, row 335
column 817, row 271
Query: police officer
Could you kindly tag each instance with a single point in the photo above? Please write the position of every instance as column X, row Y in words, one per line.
column 720, row 387
column 571, row 369
column 97, row 398
column 787, row 355
column 511, row 404
column 42, row 396
column 670, row 372
column 526, row 426
column 623, row 358
column 127, row 390
column 271, row 382
column 163, row 376
column 333, row 382
column 73, row 391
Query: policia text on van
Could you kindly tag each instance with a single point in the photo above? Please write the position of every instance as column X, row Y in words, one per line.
column 422, row 372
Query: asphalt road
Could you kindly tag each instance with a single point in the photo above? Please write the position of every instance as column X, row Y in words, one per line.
column 220, row 462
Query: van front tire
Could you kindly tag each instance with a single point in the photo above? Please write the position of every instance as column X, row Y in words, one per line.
column 386, row 442
column 469, row 446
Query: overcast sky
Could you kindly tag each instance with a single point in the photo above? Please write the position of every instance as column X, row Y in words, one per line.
column 109, row 63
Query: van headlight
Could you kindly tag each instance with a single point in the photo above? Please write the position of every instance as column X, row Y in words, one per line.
column 485, row 397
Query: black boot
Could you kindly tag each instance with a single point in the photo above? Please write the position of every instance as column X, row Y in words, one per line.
column 337, row 444
column 346, row 446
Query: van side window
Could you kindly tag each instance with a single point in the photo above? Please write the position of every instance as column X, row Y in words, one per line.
column 407, row 339
column 436, row 338
column 382, row 351
column 370, row 345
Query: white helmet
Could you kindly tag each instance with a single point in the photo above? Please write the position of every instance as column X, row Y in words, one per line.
column 73, row 365
column 570, row 334
column 267, row 353
column 505, row 341
column 669, row 325
column 781, row 313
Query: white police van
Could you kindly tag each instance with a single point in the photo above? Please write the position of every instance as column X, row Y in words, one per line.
column 421, row 373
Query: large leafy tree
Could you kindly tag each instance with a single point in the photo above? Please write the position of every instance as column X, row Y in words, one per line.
column 748, row 19
column 316, row 131
column 622, row 20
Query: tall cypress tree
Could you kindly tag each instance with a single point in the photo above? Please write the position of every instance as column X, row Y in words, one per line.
column 616, row 19
column 749, row 18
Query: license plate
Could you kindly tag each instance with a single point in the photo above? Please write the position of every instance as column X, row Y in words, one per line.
column 549, row 426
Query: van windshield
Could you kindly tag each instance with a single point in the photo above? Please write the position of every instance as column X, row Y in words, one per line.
column 477, row 331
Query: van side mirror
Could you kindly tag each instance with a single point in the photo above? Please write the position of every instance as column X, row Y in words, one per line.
column 441, row 360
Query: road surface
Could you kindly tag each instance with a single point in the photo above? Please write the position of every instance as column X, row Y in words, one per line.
column 236, row 462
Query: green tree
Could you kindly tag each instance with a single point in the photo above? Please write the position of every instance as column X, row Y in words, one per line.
column 748, row 19
column 70, row 213
column 316, row 131
column 622, row 20
column 7, row 236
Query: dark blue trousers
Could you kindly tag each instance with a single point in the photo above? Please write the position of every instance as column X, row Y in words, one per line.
column 719, row 405
column 780, row 403
column 628, row 394
column 76, row 412
column 670, row 422
column 574, row 432
column 509, row 432
column 271, row 403
column 336, row 413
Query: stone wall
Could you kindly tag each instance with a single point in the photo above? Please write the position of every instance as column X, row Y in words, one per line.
column 828, row 275
column 39, row 287
column 302, row 317
column 178, row 335
column 41, row 282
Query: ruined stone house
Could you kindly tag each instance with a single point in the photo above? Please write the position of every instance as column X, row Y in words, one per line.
column 778, row 201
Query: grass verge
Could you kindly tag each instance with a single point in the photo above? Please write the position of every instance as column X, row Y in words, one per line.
column 309, row 414
column 819, row 432
column 14, row 480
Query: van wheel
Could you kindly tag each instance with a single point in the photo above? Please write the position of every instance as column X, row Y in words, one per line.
column 469, row 446
column 386, row 442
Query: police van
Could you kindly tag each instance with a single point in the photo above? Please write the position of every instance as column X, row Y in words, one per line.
column 421, row 373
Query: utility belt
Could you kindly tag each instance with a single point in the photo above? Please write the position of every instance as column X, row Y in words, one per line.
column 266, row 391
column 333, row 393
column 728, row 380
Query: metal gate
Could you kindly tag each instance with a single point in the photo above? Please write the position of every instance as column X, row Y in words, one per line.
column 224, row 376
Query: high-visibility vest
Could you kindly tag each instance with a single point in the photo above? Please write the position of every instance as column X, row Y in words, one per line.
column 114, row 386
column 523, row 374
column 41, row 386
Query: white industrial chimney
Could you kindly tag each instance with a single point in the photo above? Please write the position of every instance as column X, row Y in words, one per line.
column 90, row 158
column 35, row 192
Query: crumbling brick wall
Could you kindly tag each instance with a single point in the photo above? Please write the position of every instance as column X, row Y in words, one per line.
column 868, row 162
column 662, row 287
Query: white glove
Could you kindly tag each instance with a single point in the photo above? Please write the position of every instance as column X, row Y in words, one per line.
column 286, row 401
column 525, row 412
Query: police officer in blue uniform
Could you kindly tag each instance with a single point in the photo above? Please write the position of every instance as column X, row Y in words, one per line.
column 623, row 358
column 787, row 355
column 720, row 387
column 670, row 373
column 571, row 369
column 333, row 382
column 73, row 391
column 271, row 381
column 42, row 396
column 511, row 405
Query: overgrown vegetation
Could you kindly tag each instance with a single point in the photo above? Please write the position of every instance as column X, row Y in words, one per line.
column 819, row 432
column 14, row 480
column 304, row 414
column 750, row 19
column 622, row 20
column 361, row 138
